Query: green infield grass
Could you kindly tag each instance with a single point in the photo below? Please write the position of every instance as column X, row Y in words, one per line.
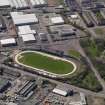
column 46, row 63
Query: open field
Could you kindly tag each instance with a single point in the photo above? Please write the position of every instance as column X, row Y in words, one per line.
column 46, row 63
column 99, row 31
column 74, row 53
column 94, row 49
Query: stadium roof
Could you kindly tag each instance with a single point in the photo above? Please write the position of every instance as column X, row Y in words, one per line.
column 57, row 20
column 20, row 19
column 7, row 41
column 28, row 37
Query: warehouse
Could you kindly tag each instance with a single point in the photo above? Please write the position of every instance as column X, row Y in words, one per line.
column 28, row 38
column 60, row 92
column 38, row 3
column 4, row 85
column 63, row 30
column 57, row 20
column 19, row 4
column 23, row 30
column 4, row 3
column 26, row 33
column 2, row 24
column 28, row 88
column 11, row 103
column 8, row 42
column 43, row 36
column 19, row 18
column 88, row 19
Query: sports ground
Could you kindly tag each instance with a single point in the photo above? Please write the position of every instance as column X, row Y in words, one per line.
column 45, row 63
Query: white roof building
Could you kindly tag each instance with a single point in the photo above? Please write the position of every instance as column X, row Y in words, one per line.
column 18, row 4
column 23, row 19
column 4, row 3
column 60, row 92
column 74, row 16
column 8, row 41
column 23, row 30
column 57, row 20
column 38, row 2
column 28, row 38
column 11, row 103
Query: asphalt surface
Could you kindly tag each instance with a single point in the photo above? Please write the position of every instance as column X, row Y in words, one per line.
column 87, row 92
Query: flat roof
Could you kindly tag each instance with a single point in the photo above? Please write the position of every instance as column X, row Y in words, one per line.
column 57, row 20
column 60, row 92
column 4, row 3
column 19, row 4
column 20, row 18
column 11, row 103
column 2, row 82
column 22, row 30
column 28, row 37
column 74, row 16
column 8, row 41
column 38, row 2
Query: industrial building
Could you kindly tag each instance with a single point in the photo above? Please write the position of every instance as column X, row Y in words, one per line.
column 27, row 88
column 86, row 3
column 43, row 36
column 63, row 30
column 38, row 3
column 22, row 4
column 26, row 33
column 4, row 3
column 8, row 42
column 99, row 17
column 57, row 20
column 18, row 4
column 23, row 30
column 2, row 24
column 63, row 90
column 19, row 18
column 11, row 103
column 4, row 85
column 60, row 92
column 73, row 5
column 28, row 38
column 87, row 18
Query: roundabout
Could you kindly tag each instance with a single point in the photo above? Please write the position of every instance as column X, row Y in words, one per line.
column 46, row 64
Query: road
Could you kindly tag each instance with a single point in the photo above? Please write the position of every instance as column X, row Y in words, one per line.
column 87, row 92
